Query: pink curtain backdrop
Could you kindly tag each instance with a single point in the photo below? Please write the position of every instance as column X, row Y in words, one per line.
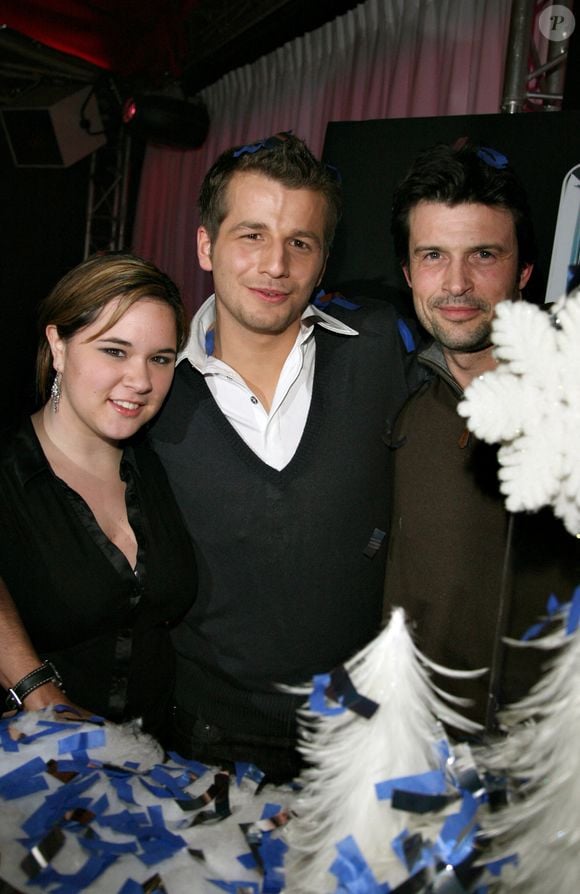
column 383, row 59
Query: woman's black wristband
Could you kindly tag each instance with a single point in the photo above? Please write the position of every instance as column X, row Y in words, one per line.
column 46, row 673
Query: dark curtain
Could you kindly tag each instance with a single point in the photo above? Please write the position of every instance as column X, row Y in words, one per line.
column 42, row 221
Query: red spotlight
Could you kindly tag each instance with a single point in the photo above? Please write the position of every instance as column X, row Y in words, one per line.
column 129, row 110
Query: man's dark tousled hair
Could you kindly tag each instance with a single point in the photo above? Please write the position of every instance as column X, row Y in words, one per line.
column 454, row 176
column 286, row 160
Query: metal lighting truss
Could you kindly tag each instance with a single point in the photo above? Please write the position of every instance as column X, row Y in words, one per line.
column 528, row 83
column 107, row 195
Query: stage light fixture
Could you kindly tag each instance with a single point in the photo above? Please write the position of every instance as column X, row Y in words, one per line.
column 53, row 126
column 167, row 120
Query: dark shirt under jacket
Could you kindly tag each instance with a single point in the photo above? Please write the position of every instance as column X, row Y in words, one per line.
column 105, row 626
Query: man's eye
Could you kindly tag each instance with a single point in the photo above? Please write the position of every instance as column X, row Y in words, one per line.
column 299, row 243
column 485, row 255
column 432, row 256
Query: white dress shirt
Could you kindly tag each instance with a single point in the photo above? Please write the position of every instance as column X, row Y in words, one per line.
column 274, row 435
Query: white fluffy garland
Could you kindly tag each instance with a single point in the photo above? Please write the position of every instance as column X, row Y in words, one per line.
column 531, row 405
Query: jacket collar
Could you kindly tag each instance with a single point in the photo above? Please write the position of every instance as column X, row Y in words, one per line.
column 433, row 357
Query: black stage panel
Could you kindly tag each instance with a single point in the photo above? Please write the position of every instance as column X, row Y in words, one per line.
column 373, row 155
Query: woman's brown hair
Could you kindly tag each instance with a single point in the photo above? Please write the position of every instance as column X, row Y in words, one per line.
column 80, row 296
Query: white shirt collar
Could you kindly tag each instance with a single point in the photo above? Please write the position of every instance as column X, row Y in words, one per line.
column 204, row 319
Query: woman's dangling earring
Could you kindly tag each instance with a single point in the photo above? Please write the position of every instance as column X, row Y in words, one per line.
column 55, row 391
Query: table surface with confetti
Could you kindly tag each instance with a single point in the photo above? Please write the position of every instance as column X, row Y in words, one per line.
column 90, row 805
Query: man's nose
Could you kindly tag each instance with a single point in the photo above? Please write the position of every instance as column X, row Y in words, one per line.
column 457, row 278
column 274, row 259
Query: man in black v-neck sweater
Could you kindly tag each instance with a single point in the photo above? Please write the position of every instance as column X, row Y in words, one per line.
column 273, row 441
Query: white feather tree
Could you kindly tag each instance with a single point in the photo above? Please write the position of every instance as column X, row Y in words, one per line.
column 541, row 825
column 350, row 754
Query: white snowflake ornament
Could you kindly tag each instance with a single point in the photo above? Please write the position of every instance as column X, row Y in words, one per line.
column 531, row 406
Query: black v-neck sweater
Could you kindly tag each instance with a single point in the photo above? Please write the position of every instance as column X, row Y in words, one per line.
column 290, row 580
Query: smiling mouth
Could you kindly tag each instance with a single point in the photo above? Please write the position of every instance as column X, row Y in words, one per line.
column 271, row 295
column 127, row 407
column 458, row 311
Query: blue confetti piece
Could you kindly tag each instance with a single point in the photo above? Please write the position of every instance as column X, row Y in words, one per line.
column 443, row 750
column 24, row 780
column 343, row 691
column 116, row 772
column 496, row 866
column 334, row 171
column 210, row 342
column 322, row 299
column 250, row 149
column 55, row 805
column 156, row 841
column 574, row 612
column 339, row 687
column 270, row 810
column 248, row 860
column 68, row 709
column 81, row 742
column 155, row 812
column 272, row 852
column 195, row 767
column 160, row 792
column 99, row 806
column 552, row 608
column 131, row 887
column 492, row 157
column 73, row 766
column 123, row 788
column 45, row 728
column 430, row 783
column 397, row 845
column 59, row 726
column 173, row 784
column 157, row 850
column 265, row 143
column 456, row 839
column 532, row 632
column 352, row 871
column 406, row 335
column 317, row 700
column 423, row 856
column 341, row 301
column 250, row 770
column 112, row 848
column 124, row 821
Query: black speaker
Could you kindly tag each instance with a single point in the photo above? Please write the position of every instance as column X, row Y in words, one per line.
column 167, row 120
column 52, row 128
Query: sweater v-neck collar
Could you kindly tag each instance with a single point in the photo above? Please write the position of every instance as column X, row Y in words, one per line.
column 324, row 339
